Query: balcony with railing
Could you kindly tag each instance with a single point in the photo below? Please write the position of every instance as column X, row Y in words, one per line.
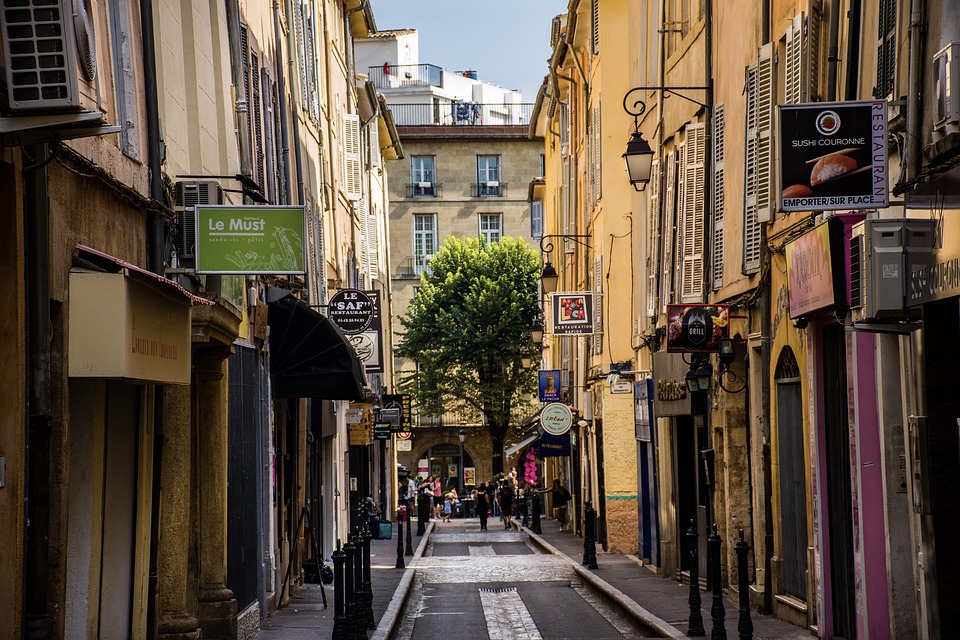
column 411, row 267
column 406, row 75
column 424, row 190
column 489, row 189
column 457, row 113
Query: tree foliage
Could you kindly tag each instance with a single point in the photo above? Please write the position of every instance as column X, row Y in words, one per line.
column 467, row 328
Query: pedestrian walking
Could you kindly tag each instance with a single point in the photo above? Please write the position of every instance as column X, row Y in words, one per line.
column 483, row 506
column 437, row 497
column 506, row 499
column 560, row 497
column 447, row 507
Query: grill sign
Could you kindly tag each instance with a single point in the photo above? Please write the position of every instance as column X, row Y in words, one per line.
column 696, row 328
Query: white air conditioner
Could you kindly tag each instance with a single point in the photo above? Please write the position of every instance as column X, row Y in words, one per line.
column 946, row 86
column 189, row 194
column 883, row 253
column 50, row 55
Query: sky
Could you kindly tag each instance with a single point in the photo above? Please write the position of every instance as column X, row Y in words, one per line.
column 506, row 41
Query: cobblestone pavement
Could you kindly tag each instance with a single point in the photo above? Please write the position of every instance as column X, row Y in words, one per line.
column 498, row 585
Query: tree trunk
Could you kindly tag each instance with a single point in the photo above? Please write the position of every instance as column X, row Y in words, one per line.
column 496, row 441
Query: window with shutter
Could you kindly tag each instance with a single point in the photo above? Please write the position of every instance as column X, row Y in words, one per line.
column 886, row 48
column 351, row 155
column 373, row 138
column 373, row 241
column 668, row 237
column 564, row 128
column 812, row 51
column 694, row 167
column 793, row 72
column 258, row 155
column 269, row 141
column 598, row 306
column 718, row 195
column 595, row 27
column 653, row 238
column 364, row 249
column 757, row 160
column 597, row 192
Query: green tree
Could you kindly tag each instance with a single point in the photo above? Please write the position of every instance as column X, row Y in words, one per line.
column 467, row 328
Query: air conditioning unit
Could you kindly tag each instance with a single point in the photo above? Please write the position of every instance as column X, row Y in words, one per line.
column 946, row 81
column 189, row 195
column 50, row 55
column 883, row 253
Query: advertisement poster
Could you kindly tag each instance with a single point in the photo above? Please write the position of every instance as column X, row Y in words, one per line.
column 250, row 240
column 572, row 313
column 469, row 476
column 833, row 155
column 696, row 328
column 550, row 385
column 814, row 283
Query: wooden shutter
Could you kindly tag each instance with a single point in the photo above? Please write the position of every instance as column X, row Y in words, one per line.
column 373, row 137
column 373, row 241
column 351, row 156
column 598, row 306
column 757, row 160
column 653, row 238
column 258, row 155
column 564, row 127
column 694, row 168
column 596, row 154
column 794, row 80
column 718, row 195
column 766, row 102
column 812, row 53
column 668, row 236
column 886, row 48
column 595, row 26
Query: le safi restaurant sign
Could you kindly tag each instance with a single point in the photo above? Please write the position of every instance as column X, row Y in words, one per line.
column 833, row 156
column 247, row 240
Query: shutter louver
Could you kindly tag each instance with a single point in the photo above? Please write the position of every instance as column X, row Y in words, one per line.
column 598, row 306
column 886, row 48
column 596, row 154
column 374, row 140
column 812, row 53
column 258, row 156
column 765, row 104
column 694, row 167
column 668, row 236
column 373, row 242
column 653, row 239
column 718, row 195
column 595, row 27
column 351, row 156
column 361, row 212
column 757, row 160
column 793, row 74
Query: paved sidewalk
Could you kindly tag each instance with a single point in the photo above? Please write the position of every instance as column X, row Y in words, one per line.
column 657, row 601
column 304, row 616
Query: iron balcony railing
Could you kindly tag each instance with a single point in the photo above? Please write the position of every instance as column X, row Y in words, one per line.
column 412, row 266
column 460, row 114
column 406, row 75
column 424, row 190
column 488, row 189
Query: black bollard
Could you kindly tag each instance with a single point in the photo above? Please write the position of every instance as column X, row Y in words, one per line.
column 400, row 564
column 350, row 590
column 339, row 616
column 745, row 624
column 371, row 623
column 695, row 621
column 589, row 539
column 717, row 613
column 409, row 516
column 535, row 527
column 526, row 509
column 359, row 593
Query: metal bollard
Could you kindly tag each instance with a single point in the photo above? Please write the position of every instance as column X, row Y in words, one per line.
column 350, row 590
column 535, row 527
column 717, row 613
column 359, row 593
column 371, row 623
column 695, row 621
column 589, row 538
column 409, row 550
column 400, row 564
column 339, row 616
column 526, row 510
column 745, row 624
column 423, row 513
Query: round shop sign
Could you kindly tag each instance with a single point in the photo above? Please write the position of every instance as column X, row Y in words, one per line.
column 405, row 435
column 556, row 418
column 351, row 310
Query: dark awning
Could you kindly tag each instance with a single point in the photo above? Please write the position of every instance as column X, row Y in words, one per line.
column 309, row 355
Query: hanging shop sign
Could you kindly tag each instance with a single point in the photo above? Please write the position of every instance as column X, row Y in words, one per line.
column 642, row 408
column 571, row 313
column 351, row 310
column 815, row 282
column 833, row 156
column 556, row 418
column 697, row 328
column 550, row 385
column 382, row 431
column 940, row 280
column 670, row 397
column 404, row 445
column 369, row 342
column 550, row 446
column 396, row 409
column 249, row 240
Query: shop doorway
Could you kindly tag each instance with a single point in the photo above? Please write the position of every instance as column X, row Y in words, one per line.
column 692, row 490
column 443, row 461
column 793, row 486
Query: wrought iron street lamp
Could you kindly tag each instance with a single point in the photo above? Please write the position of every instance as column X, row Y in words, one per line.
column 463, row 437
column 727, row 354
column 549, row 277
column 536, row 331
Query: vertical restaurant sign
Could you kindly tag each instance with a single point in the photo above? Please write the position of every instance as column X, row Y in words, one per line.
column 549, row 385
column 246, row 240
column 697, row 328
column 833, row 155
column 571, row 313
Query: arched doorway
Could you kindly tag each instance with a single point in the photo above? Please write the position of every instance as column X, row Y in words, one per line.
column 793, row 484
column 444, row 461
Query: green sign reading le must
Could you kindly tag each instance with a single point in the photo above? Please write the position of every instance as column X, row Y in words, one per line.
column 250, row 240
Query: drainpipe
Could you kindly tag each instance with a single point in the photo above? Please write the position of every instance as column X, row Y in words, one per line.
column 833, row 50
column 242, row 107
column 36, row 209
column 328, row 90
column 281, row 91
column 915, row 90
column 852, row 89
column 156, row 251
column 765, row 301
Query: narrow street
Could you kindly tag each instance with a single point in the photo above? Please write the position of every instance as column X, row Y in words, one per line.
column 497, row 584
